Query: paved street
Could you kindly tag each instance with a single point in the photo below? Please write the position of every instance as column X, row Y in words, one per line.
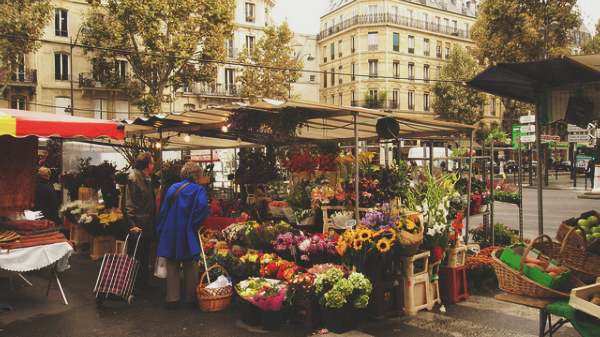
column 481, row 315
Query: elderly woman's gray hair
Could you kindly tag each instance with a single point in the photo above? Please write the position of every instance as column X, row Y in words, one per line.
column 191, row 171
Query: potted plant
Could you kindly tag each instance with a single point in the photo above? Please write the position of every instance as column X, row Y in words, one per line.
column 480, row 271
column 339, row 297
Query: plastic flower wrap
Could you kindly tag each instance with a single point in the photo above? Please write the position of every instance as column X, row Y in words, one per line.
column 250, row 287
column 270, row 297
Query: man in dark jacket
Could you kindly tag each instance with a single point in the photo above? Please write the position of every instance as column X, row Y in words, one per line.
column 140, row 212
column 46, row 199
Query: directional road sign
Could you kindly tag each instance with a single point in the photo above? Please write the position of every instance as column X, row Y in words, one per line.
column 528, row 139
column 550, row 138
column 575, row 128
column 527, row 119
column 578, row 138
column 528, row 128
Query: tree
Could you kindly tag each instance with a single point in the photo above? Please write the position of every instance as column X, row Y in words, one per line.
column 507, row 31
column 24, row 19
column 166, row 43
column 265, row 73
column 593, row 45
column 451, row 100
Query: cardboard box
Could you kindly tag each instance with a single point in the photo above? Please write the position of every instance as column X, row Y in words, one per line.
column 579, row 299
column 512, row 256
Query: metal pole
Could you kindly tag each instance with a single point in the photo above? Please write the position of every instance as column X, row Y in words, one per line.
column 470, row 174
column 431, row 157
column 71, row 72
column 491, row 207
column 521, row 194
column 356, row 175
column 538, row 146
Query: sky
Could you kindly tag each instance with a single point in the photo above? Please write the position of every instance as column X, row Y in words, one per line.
column 303, row 16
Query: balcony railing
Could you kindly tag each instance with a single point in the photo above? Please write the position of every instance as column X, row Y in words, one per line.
column 388, row 18
column 438, row 55
column 340, row 54
column 89, row 80
column 29, row 76
column 426, row 53
column 411, row 50
column 372, row 75
column 324, row 59
column 377, row 104
column 220, row 90
column 373, row 47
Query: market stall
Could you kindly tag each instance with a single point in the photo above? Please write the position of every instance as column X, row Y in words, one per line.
column 18, row 141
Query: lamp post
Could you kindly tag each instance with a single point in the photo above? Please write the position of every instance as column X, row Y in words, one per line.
column 83, row 30
column 309, row 58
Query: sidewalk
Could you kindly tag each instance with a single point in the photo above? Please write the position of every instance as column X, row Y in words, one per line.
column 556, row 181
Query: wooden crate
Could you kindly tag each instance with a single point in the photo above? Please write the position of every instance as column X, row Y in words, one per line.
column 307, row 312
column 102, row 245
column 80, row 239
column 81, row 248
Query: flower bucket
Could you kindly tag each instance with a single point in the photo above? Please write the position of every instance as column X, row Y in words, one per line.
column 277, row 211
column 340, row 221
column 409, row 242
column 482, row 208
column 308, row 221
column 455, row 257
column 250, row 314
column 270, row 320
column 254, row 251
column 289, row 214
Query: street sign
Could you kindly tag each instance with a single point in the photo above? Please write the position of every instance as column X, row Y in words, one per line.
column 528, row 139
column 578, row 138
column 516, row 135
column 575, row 128
column 528, row 128
column 527, row 119
column 550, row 138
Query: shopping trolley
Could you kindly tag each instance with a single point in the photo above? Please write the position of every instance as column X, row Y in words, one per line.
column 117, row 276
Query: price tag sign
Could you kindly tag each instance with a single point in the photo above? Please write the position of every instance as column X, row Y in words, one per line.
column 350, row 223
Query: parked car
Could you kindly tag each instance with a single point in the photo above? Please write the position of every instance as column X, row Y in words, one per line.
column 496, row 167
column 511, row 166
column 564, row 165
column 533, row 164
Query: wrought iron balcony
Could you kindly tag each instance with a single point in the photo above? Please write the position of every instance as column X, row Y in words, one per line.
column 233, row 90
column 29, row 76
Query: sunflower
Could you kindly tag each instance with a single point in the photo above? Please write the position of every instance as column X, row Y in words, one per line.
column 341, row 248
column 384, row 245
column 358, row 244
column 392, row 232
column 365, row 234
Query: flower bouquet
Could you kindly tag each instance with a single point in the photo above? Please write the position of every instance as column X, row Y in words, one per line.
column 301, row 287
column 316, row 246
column 269, row 297
column 234, row 233
column 305, row 217
column 103, row 223
column 74, row 209
column 339, row 219
column 334, row 290
column 276, row 208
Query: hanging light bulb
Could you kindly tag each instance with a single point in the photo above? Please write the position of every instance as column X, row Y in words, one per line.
column 187, row 138
column 158, row 145
column 224, row 128
column 239, row 140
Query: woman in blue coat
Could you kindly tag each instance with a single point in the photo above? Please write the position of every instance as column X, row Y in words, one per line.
column 179, row 221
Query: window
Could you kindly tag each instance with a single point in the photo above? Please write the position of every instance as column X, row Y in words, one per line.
column 438, row 50
column 411, row 100
column 436, row 22
column 396, row 69
column 411, row 71
column 122, row 109
column 426, row 47
column 19, row 75
column 340, row 74
column 341, row 99
column 353, row 72
column 352, row 44
column 249, row 43
column 340, row 48
column 342, row 21
column 395, row 99
column 332, row 77
column 466, row 28
column 425, row 18
column 426, row 101
column 372, row 68
column 373, row 93
column 411, row 44
column 493, row 107
column 230, row 86
column 373, row 40
column 313, row 78
column 325, row 79
column 454, row 26
column 61, row 67
column 394, row 16
column 100, row 108
column 61, row 26
column 249, row 12
column 447, row 51
column 231, row 52
column 438, row 72
column 333, row 51
column 19, row 103
column 325, row 26
column 266, row 17
column 446, row 28
column 60, row 104
column 396, row 42
column 333, row 99
column 325, row 54
column 353, row 98
column 409, row 16
column 426, row 73
column 120, row 68
column 189, row 106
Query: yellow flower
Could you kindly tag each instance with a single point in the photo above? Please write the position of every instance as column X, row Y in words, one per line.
column 252, row 257
column 384, row 245
column 358, row 244
column 341, row 248
column 365, row 234
column 393, row 233
column 99, row 207
column 365, row 157
column 410, row 225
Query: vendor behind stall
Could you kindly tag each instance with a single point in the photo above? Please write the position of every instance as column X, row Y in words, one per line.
column 46, row 199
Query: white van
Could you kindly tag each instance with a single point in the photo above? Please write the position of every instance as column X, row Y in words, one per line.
column 438, row 154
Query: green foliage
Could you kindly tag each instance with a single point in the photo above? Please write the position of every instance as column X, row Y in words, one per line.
column 259, row 166
column 496, row 135
column 329, row 147
column 452, row 101
column 593, row 45
column 134, row 145
column 180, row 31
column 503, row 236
column 25, row 19
column 508, row 197
column 274, row 50
column 299, row 197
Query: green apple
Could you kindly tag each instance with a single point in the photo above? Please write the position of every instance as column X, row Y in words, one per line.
column 580, row 232
column 590, row 237
column 587, row 230
column 583, row 223
column 593, row 220
column 596, row 229
column 597, row 235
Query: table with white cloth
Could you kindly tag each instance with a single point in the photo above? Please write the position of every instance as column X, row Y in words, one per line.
column 17, row 260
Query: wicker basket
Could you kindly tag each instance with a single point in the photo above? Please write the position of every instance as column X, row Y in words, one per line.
column 583, row 265
column 514, row 282
column 214, row 299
